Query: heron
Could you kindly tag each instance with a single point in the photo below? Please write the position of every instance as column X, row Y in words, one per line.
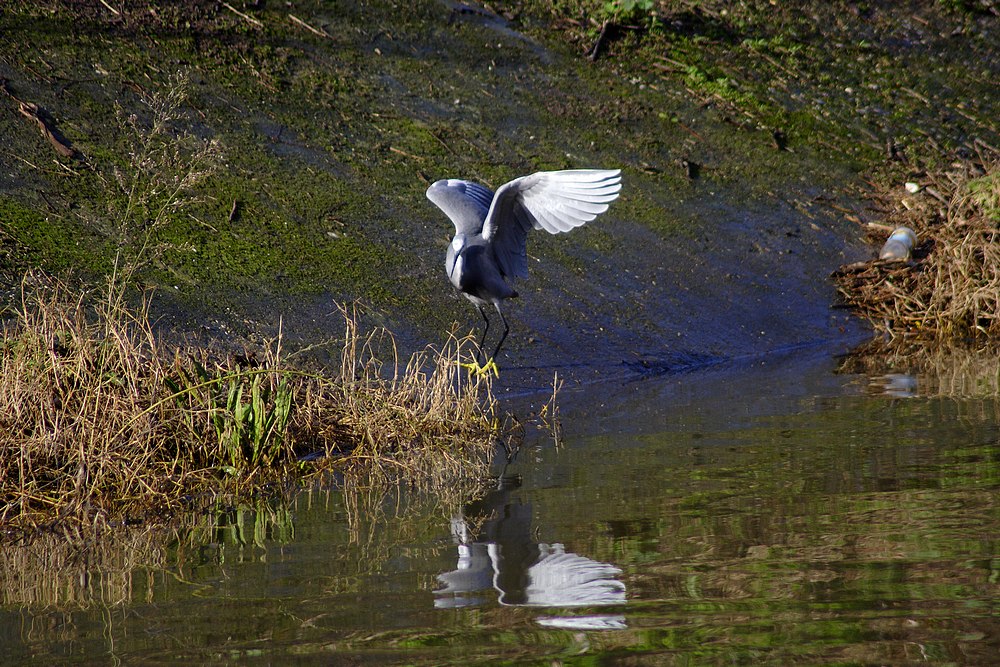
column 489, row 249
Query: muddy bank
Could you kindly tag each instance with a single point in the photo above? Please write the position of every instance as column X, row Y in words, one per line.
column 743, row 137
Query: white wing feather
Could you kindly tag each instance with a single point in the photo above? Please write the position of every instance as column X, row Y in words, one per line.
column 556, row 201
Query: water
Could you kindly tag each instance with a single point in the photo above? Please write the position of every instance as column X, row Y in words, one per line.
column 793, row 511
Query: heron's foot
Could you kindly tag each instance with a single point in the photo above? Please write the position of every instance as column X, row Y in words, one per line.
column 490, row 367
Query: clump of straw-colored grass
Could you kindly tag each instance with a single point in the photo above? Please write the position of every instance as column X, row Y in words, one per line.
column 99, row 421
column 951, row 287
column 427, row 421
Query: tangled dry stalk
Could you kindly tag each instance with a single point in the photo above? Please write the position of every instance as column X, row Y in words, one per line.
column 951, row 288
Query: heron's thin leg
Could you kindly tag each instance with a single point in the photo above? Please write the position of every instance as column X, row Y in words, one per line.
column 482, row 339
column 506, row 330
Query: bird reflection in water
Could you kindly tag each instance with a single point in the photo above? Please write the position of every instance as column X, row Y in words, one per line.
column 501, row 558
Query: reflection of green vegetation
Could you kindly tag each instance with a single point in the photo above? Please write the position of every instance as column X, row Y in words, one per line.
column 260, row 525
column 801, row 538
column 366, row 519
column 793, row 538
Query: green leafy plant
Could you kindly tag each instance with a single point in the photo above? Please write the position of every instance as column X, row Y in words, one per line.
column 248, row 413
column 628, row 11
column 251, row 429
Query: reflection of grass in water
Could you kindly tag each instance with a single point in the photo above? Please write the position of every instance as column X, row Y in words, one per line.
column 240, row 524
column 383, row 516
column 951, row 371
column 798, row 556
column 58, row 572
column 375, row 515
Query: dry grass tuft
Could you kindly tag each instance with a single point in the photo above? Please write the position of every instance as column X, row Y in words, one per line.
column 422, row 419
column 951, row 288
column 98, row 422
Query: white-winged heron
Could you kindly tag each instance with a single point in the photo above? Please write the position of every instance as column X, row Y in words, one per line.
column 489, row 248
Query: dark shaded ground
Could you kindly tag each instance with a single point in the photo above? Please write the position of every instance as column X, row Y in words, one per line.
column 334, row 120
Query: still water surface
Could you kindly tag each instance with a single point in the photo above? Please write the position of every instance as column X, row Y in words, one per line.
column 784, row 512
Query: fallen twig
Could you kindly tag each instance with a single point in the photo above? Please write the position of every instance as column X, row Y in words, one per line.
column 321, row 33
column 251, row 19
column 596, row 48
column 45, row 125
column 404, row 153
column 110, row 8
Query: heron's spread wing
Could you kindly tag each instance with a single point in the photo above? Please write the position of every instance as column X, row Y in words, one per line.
column 466, row 203
column 556, row 201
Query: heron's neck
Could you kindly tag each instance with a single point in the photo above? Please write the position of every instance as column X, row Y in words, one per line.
column 458, row 244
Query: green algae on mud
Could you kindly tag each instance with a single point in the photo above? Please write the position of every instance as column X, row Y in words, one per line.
column 284, row 203
column 835, row 75
column 330, row 118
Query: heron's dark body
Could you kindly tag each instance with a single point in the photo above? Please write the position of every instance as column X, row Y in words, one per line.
column 474, row 271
